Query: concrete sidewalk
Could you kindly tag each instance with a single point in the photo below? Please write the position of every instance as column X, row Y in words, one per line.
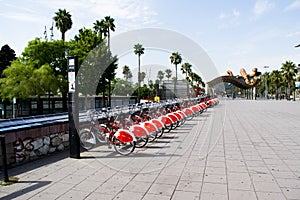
column 236, row 150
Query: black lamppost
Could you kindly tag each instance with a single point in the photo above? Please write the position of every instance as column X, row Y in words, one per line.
column 266, row 85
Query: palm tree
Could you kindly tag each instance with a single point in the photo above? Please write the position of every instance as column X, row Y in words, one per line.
column 105, row 26
column 197, row 79
column 126, row 72
column 63, row 22
column 187, row 69
column 139, row 50
column 276, row 78
column 176, row 60
column 160, row 75
column 289, row 71
column 99, row 27
column 168, row 73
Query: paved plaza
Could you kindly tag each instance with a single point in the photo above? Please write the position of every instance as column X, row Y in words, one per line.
column 236, row 150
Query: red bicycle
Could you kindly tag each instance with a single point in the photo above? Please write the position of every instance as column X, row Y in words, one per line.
column 110, row 133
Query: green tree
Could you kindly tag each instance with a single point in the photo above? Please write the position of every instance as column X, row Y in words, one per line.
column 22, row 80
column 63, row 22
column 289, row 71
column 39, row 53
column 84, row 42
column 142, row 77
column 160, row 75
column 139, row 50
column 126, row 72
column 123, row 87
column 176, row 60
column 168, row 73
column 7, row 55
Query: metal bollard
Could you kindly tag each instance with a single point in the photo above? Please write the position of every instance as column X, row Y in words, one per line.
column 4, row 158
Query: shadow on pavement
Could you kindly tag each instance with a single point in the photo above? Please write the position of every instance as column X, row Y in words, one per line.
column 34, row 186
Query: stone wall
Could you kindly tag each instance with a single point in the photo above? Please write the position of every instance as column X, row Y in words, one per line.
column 26, row 145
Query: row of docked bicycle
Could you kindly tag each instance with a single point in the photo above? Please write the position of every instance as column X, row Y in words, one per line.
column 134, row 126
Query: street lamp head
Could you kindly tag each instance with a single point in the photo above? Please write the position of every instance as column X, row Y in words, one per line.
column 297, row 46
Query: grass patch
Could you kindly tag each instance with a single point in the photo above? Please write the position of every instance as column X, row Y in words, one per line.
column 11, row 180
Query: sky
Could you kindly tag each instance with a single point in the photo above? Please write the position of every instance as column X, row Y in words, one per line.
column 234, row 34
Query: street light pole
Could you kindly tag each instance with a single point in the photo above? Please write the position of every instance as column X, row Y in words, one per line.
column 266, row 85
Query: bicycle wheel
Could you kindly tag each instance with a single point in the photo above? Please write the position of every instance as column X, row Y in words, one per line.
column 87, row 139
column 190, row 117
column 168, row 128
column 160, row 134
column 141, row 142
column 101, row 136
column 123, row 148
column 152, row 137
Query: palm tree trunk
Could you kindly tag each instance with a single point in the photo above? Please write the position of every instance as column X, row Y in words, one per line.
column 103, row 95
column 109, row 95
column 175, row 82
column 139, row 81
column 63, row 36
column 288, row 91
column 108, row 40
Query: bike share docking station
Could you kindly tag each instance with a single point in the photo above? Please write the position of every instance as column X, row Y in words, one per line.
column 73, row 107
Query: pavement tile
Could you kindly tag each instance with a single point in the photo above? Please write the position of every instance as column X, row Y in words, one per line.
column 99, row 196
column 179, row 195
column 109, row 188
column 147, row 177
column 127, row 195
column 241, row 194
column 266, row 186
column 215, row 178
column 161, row 189
column 155, row 197
column 189, row 186
column 288, row 183
column 240, row 185
column 270, row 196
column 213, row 196
column 215, row 170
column 88, row 185
column 263, row 178
column 291, row 193
column 137, row 186
column 191, row 176
column 73, row 179
column 44, row 196
column 214, row 188
column 58, row 188
column 167, row 179
column 74, row 194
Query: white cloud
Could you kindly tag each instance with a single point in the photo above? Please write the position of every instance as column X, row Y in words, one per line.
column 294, row 5
column 262, row 6
column 229, row 19
column 293, row 34
column 233, row 14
